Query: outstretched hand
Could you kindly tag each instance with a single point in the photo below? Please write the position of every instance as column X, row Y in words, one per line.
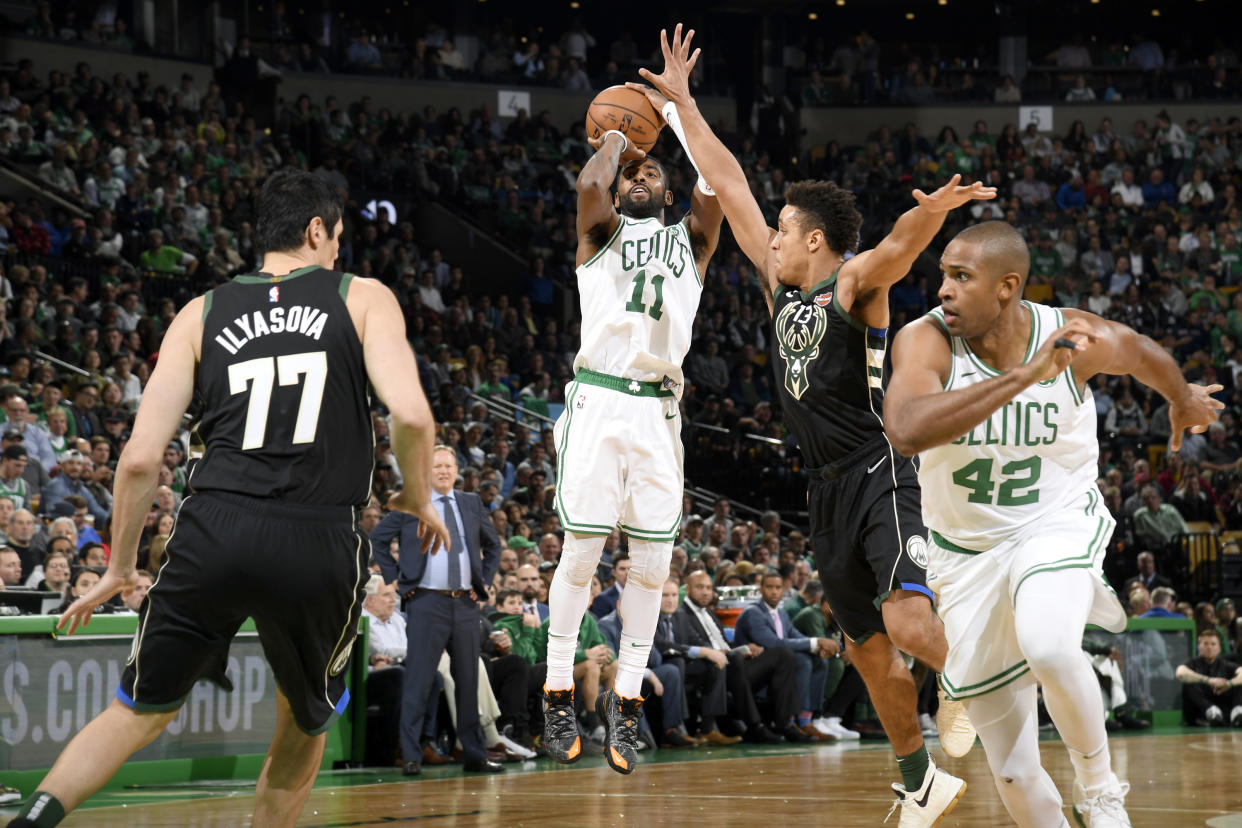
column 674, row 81
column 953, row 195
column 79, row 613
column 1195, row 410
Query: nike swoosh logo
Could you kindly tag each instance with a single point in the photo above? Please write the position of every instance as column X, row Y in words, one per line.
column 969, row 374
column 922, row 803
column 876, row 466
column 670, row 416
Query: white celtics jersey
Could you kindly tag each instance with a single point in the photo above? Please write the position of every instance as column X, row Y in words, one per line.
column 640, row 293
column 1030, row 459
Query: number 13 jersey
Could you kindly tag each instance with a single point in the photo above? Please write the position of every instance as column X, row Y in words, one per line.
column 1029, row 460
column 284, row 391
column 639, row 295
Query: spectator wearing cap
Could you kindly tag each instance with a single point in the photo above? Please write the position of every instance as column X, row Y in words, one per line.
column 82, row 415
column 12, row 485
column 692, row 539
column 69, row 482
column 17, row 412
column 35, row 475
column 114, row 421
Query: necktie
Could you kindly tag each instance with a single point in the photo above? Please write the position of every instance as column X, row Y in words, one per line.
column 454, row 550
column 668, row 628
column 776, row 619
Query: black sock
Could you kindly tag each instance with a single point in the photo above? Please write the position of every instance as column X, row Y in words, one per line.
column 40, row 811
column 707, row 724
column 592, row 720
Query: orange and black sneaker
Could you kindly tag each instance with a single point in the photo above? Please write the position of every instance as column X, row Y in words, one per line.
column 561, row 739
column 620, row 717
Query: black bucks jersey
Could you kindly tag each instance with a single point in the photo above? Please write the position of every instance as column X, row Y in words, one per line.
column 284, row 391
column 831, row 370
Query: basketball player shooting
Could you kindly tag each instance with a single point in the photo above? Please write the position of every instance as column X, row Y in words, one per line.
column 618, row 441
column 992, row 393
column 830, row 317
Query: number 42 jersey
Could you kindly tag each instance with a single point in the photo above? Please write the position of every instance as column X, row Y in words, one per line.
column 639, row 295
column 1031, row 458
column 284, row 391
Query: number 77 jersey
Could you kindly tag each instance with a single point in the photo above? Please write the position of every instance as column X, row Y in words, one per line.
column 283, row 384
column 1030, row 459
column 639, row 295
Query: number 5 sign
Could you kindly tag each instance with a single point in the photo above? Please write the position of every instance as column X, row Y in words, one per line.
column 1041, row 116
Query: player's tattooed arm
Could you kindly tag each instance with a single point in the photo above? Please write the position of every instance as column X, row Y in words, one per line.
column 597, row 217
column 718, row 166
column 1117, row 349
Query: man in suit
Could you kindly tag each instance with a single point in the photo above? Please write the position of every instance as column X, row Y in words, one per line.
column 528, row 583
column 438, row 595
column 693, row 634
column 768, row 625
column 665, row 681
column 1147, row 575
column 607, row 600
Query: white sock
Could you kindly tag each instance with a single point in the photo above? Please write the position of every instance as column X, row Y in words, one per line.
column 1214, row 713
column 1235, row 713
column 1092, row 769
column 567, row 601
column 639, row 609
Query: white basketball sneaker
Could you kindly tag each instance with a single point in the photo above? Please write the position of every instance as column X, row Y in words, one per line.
column 1102, row 807
column 957, row 734
column 929, row 804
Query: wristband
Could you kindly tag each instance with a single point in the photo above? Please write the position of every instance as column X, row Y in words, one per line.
column 703, row 187
column 624, row 146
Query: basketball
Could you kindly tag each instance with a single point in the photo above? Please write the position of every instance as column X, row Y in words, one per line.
column 627, row 111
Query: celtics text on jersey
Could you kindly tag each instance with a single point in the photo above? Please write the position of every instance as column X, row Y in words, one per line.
column 639, row 295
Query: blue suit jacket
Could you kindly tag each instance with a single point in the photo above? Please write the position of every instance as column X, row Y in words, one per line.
column 480, row 538
column 755, row 624
column 606, row 601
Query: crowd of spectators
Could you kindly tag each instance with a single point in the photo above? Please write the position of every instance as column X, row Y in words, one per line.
column 165, row 176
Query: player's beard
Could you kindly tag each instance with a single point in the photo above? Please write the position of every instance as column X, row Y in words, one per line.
column 652, row 207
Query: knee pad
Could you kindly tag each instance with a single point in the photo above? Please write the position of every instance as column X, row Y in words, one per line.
column 579, row 559
column 649, row 563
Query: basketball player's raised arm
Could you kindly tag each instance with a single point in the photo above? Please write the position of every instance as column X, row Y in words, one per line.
column 393, row 371
column 164, row 401
column 715, row 163
column 889, row 261
column 1118, row 349
column 919, row 414
column 597, row 217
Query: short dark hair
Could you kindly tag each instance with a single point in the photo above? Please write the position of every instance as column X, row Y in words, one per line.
column 288, row 202
column 504, row 595
column 1209, row 631
column 1003, row 246
column 639, row 161
column 824, row 206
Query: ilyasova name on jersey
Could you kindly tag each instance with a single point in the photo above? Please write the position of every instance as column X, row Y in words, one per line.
column 299, row 319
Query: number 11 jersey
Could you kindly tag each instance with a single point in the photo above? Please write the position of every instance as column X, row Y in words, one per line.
column 639, row 294
column 1032, row 458
column 284, row 391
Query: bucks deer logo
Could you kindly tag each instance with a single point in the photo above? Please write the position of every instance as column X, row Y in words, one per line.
column 799, row 329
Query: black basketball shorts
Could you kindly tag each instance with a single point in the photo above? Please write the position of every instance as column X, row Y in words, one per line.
column 868, row 535
column 298, row 570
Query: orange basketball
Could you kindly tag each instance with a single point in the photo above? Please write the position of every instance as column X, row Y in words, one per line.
column 627, row 111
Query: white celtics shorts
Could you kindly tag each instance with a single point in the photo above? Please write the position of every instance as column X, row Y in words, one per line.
column 619, row 458
column 976, row 591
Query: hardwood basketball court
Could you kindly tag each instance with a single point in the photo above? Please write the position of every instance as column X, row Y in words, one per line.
column 1181, row 777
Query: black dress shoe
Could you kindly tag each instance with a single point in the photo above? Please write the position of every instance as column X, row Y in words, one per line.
column 793, row 733
column 1131, row 722
column 760, row 735
column 411, row 769
column 482, row 766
